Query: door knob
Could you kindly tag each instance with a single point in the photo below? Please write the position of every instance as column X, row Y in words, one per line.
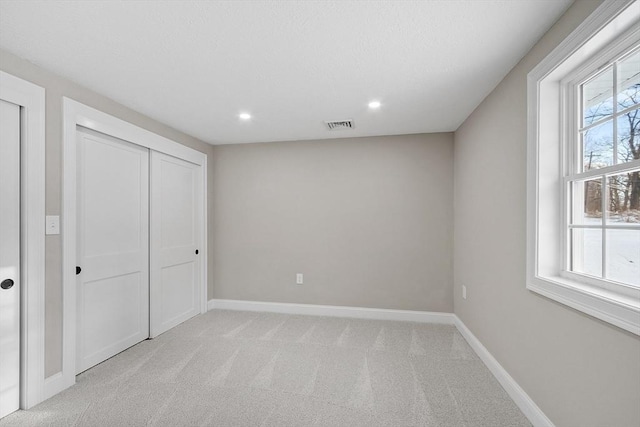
column 6, row 284
column 78, row 270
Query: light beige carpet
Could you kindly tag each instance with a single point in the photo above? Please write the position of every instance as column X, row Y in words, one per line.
column 228, row 368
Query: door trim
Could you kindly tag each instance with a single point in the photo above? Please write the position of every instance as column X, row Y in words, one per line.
column 31, row 99
column 77, row 114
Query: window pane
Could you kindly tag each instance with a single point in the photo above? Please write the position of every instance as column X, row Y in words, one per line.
column 586, row 251
column 597, row 97
column 622, row 189
column 587, row 202
column 623, row 256
column 629, row 81
column 597, row 146
column 629, row 136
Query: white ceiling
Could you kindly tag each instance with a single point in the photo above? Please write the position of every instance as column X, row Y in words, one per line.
column 195, row 65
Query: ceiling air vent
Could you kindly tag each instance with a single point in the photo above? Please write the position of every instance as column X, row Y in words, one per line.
column 340, row 124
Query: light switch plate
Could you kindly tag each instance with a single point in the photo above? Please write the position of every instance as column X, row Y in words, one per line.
column 52, row 224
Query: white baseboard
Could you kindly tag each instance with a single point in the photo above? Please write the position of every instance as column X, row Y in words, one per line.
column 519, row 396
column 334, row 311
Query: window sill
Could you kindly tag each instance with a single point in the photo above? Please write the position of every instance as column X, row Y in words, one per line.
column 619, row 310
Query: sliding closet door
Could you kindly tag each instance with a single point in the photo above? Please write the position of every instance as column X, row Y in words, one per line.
column 9, row 257
column 113, row 246
column 176, row 236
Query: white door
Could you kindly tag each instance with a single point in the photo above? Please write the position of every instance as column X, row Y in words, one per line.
column 113, row 246
column 176, row 218
column 9, row 258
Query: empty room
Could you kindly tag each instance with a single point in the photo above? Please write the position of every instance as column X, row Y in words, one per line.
column 320, row 213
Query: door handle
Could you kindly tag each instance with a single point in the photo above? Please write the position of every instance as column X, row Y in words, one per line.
column 196, row 252
column 6, row 284
column 78, row 270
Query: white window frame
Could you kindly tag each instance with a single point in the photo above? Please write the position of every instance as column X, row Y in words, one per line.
column 551, row 126
column 573, row 162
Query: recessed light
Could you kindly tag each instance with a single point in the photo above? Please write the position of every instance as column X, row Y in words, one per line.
column 374, row 105
column 244, row 116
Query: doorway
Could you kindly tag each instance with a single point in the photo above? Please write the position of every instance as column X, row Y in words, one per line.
column 22, row 214
column 10, row 284
column 174, row 223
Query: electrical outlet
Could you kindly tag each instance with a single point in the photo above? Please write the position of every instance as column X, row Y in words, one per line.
column 464, row 292
column 299, row 279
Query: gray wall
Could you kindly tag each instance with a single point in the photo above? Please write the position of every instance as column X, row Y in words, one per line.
column 580, row 371
column 57, row 87
column 367, row 220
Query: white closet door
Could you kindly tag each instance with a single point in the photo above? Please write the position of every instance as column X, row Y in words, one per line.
column 113, row 246
column 176, row 215
column 9, row 257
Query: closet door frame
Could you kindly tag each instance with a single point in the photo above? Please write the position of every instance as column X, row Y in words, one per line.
column 31, row 99
column 77, row 114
